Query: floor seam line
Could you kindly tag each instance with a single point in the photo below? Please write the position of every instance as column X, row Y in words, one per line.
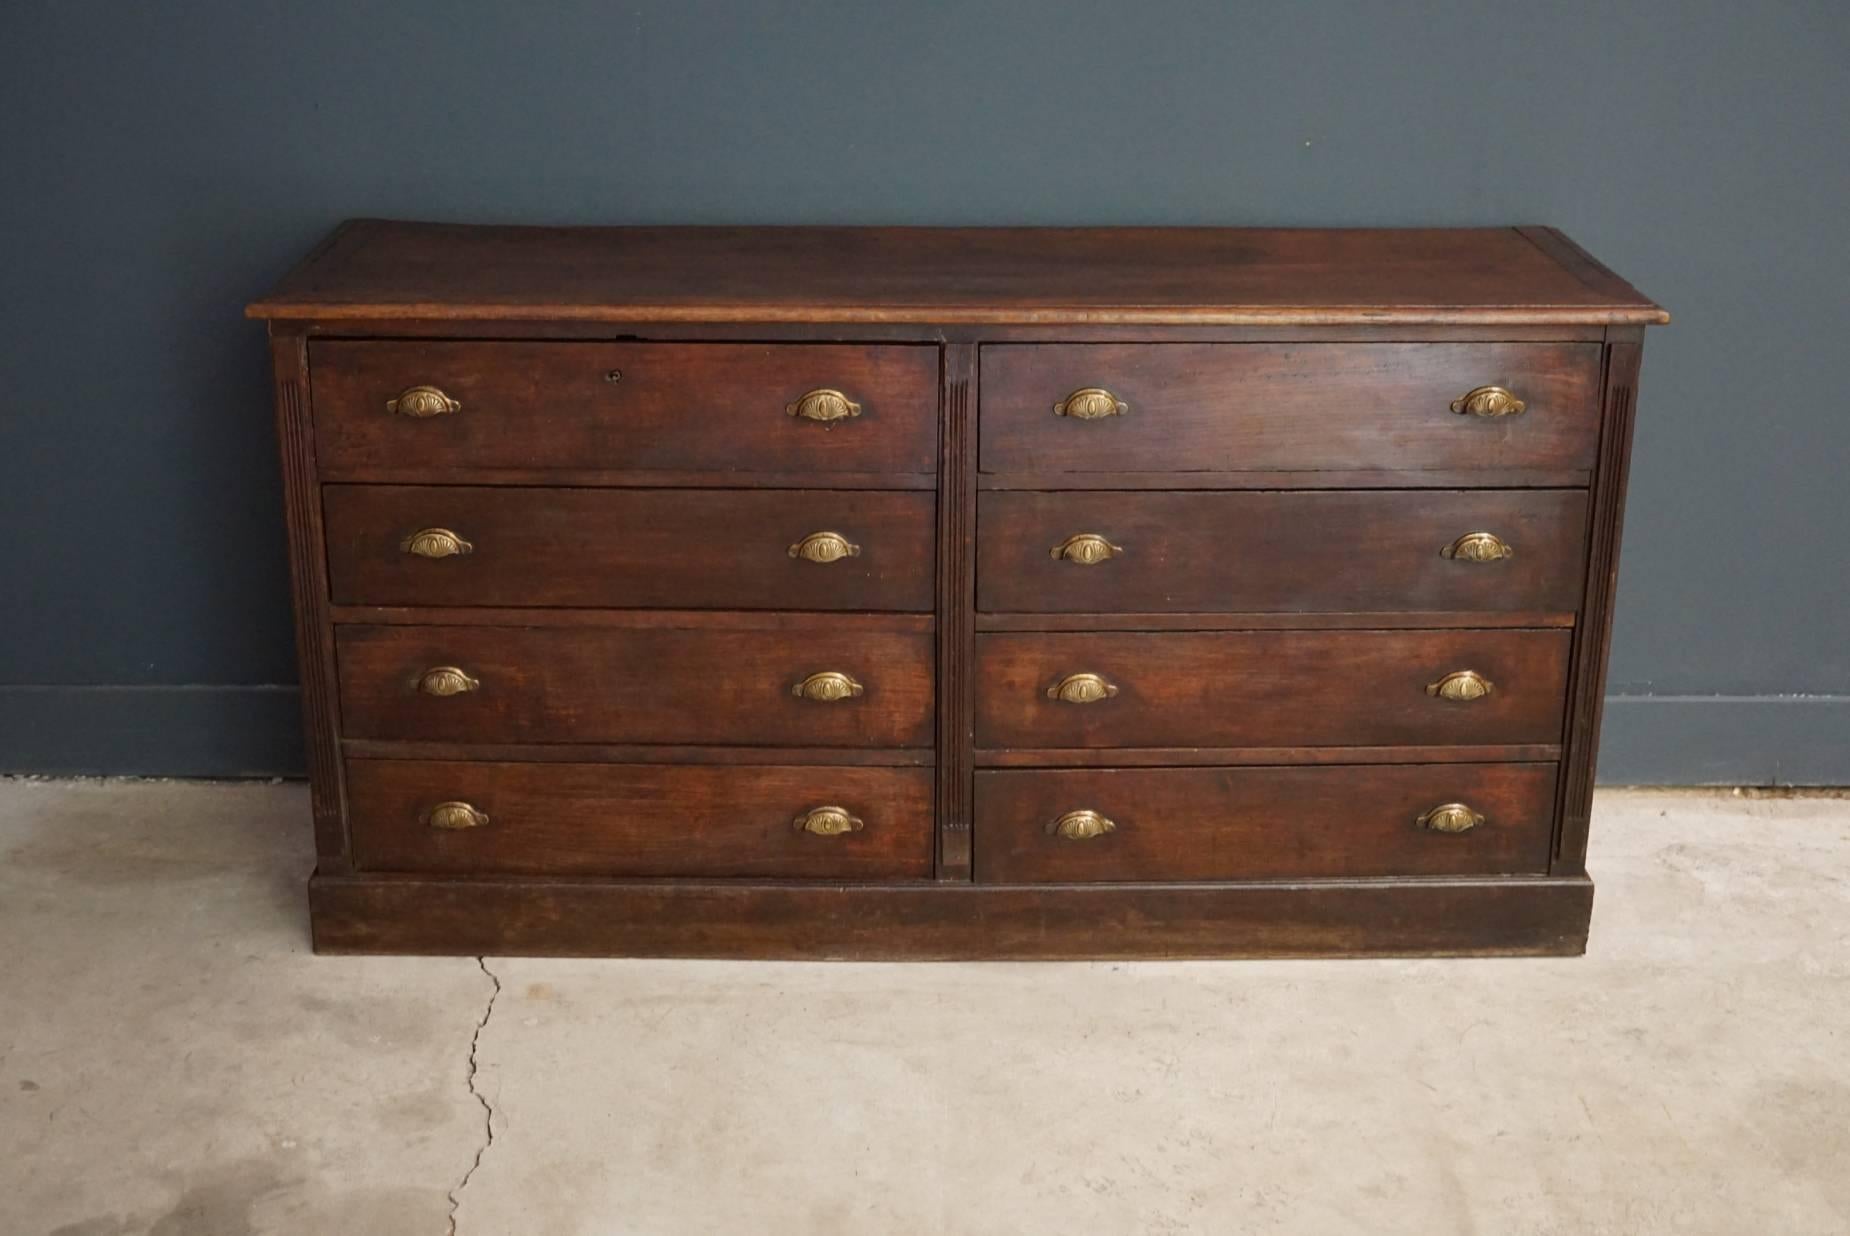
column 488, row 1110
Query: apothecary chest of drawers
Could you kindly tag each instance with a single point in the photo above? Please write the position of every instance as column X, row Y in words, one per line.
column 952, row 593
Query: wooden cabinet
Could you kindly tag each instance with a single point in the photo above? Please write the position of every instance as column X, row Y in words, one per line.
column 952, row 593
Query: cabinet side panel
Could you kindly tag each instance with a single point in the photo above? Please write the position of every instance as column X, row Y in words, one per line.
column 309, row 585
column 956, row 608
column 1593, row 637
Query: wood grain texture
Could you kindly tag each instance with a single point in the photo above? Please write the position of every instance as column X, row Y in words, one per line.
column 956, row 606
column 633, row 549
column 1269, row 688
column 631, row 619
column 530, row 407
column 1593, row 641
column 641, row 820
column 1247, row 621
column 1218, row 757
column 612, row 685
column 1257, row 407
column 1508, row 478
column 1262, row 823
column 308, row 584
column 1281, row 552
column 658, row 753
column 377, row 269
column 1505, row 916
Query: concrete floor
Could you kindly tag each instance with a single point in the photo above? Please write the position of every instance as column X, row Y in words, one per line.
column 174, row 1061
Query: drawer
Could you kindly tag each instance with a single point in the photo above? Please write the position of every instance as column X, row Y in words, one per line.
column 1268, row 688
column 537, row 407
column 640, row 820
column 1262, row 823
column 631, row 548
column 620, row 685
column 1288, row 407
column 1281, row 552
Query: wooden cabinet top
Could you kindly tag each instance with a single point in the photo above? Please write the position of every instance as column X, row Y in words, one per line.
column 374, row 269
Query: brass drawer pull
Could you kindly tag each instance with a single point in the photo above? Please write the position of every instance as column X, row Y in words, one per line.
column 828, row 822
column 422, row 402
column 827, row 687
column 1489, row 401
column 1090, row 403
column 1461, row 685
column 1080, row 826
column 824, row 405
column 1451, row 818
column 447, row 680
column 825, row 547
column 455, row 815
column 1478, row 547
column 1087, row 549
column 435, row 543
column 1081, row 689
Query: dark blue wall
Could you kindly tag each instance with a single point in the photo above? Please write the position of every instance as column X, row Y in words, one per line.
column 164, row 162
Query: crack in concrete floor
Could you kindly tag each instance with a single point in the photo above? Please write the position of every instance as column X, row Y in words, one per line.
column 488, row 1110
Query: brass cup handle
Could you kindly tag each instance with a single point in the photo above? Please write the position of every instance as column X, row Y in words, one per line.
column 435, row 543
column 1087, row 549
column 828, row 822
column 825, row 547
column 1489, row 401
column 1451, row 818
column 1478, row 547
column 1461, row 685
column 1081, row 689
column 447, row 680
column 422, row 402
column 824, row 404
column 453, row 816
column 1091, row 403
column 827, row 686
column 1080, row 826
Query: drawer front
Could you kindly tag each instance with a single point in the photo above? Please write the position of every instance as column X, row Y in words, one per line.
column 672, row 406
column 610, row 685
column 1268, row 688
column 632, row 548
column 1281, row 552
column 1288, row 407
column 640, row 820
column 1261, row 823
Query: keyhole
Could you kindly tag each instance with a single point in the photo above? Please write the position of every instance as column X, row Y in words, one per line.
column 614, row 376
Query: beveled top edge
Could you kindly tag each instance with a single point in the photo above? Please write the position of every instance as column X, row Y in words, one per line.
column 381, row 270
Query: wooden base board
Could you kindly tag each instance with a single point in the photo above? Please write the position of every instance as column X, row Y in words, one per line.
column 922, row 922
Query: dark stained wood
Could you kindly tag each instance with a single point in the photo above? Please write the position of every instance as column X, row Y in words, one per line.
column 1378, row 620
column 1271, row 629
column 1257, row 407
column 1509, row 478
column 641, row 820
column 1281, row 552
column 956, row 610
column 308, row 584
column 1211, row 757
column 611, row 685
column 642, row 331
column 663, row 548
column 1593, row 640
column 1262, row 823
column 532, row 407
column 1505, row 916
column 377, row 269
column 1269, row 688
column 632, row 619
column 659, row 753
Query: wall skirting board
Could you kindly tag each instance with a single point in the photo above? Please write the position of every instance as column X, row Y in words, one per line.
column 245, row 731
